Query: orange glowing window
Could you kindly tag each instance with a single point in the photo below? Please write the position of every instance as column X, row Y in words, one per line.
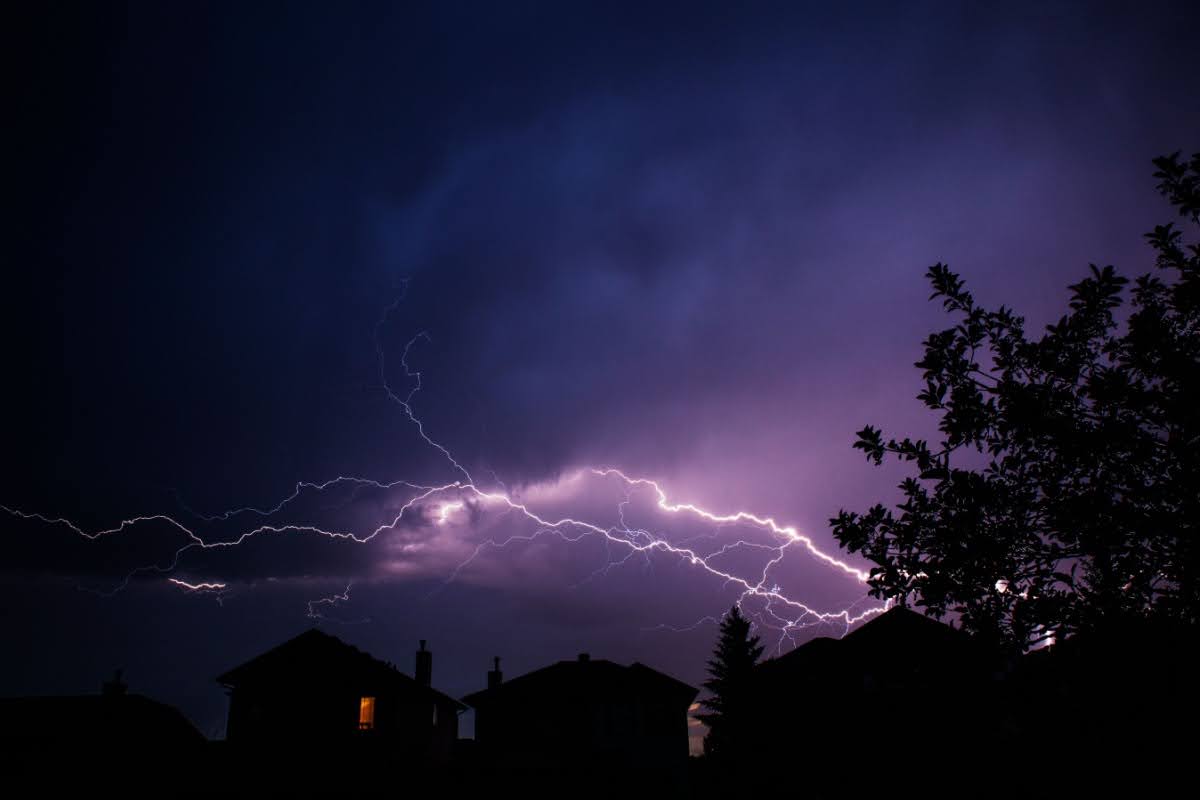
column 366, row 713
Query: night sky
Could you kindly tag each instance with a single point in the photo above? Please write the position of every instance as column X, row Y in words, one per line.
column 686, row 242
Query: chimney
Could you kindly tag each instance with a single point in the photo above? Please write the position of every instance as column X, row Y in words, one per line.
column 114, row 688
column 495, row 676
column 424, row 672
column 584, row 658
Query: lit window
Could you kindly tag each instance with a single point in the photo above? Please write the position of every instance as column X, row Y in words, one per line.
column 366, row 713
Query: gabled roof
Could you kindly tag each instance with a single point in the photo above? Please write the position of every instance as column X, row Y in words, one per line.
column 317, row 656
column 899, row 632
column 99, row 720
column 590, row 676
column 899, row 624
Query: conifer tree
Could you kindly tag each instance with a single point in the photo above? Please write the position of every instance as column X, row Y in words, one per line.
column 732, row 674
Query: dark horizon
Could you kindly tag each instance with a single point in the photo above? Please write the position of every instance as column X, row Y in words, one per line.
column 686, row 243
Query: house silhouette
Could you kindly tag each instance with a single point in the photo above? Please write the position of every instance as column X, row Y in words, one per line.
column 891, row 693
column 581, row 712
column 906, row 705
column 900, row 652
column 317, row 690
column 112, row 719
column 110, row 742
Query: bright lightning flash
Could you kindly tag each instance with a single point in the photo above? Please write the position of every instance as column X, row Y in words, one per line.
column 776, row 610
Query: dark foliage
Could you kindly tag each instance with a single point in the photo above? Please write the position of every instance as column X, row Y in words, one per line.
column 1064, row 494
column 732, row 673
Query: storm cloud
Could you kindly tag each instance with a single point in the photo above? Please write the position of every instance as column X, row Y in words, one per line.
column 686, row 242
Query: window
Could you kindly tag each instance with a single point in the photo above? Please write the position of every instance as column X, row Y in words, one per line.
column 366, row 713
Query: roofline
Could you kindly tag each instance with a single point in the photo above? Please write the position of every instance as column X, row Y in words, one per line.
column 483, row 694
column 224, row 682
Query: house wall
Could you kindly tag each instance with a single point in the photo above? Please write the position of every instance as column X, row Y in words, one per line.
column 279, row 714
column 632, row 731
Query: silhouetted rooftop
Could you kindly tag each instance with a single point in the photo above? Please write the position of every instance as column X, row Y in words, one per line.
column 586, row 674
column 896, row 631
column 97, row 720
column 317, row 656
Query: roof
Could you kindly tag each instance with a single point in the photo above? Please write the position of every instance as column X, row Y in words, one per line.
column 902, row 624
column 99, row 720
column 899, row 632
column 589, row 675
column 318, row 656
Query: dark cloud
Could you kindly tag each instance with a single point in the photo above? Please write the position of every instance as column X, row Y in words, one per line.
column 686, row 241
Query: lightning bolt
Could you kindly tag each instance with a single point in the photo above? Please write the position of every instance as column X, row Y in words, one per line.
column 775, row 610
column 217, row 590
column 332, row 601
column 197, row 587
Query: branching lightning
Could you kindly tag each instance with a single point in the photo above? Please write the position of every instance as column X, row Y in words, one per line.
column 332, row 601
column 442, row 505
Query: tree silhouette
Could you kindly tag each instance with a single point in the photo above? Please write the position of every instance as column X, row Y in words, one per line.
column 732, row 673
column 1064, row 494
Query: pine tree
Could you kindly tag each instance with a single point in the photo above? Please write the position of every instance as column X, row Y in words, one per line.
column 731, row 705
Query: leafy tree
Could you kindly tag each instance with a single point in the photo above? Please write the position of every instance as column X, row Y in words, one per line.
column 1064, row 494
column 732, row 673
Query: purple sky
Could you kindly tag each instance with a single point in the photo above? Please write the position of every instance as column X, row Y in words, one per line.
column 687, row 243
